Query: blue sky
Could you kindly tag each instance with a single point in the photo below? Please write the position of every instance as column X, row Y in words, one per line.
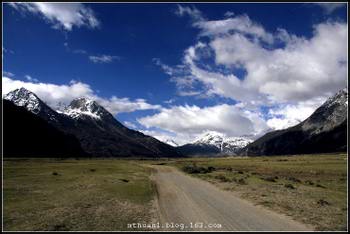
column 179, row 70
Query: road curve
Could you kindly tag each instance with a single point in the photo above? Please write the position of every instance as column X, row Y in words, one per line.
column 187, row 203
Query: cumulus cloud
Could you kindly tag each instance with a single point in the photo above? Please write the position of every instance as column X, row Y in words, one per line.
column 61, row 15
column 241, row 23
column 301, row 70
column 188, row 122
column 238, row 58
column 284, row 116
column 103, row 58
column 57, row 95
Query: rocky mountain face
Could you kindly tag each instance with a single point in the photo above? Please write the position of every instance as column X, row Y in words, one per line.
column 213, row 143
column 324, row 131
column 98, row 132
column 27, row 134
column 24, row 98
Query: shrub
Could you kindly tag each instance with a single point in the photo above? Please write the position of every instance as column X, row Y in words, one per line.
column 323, row 202
column 294, row 179
column 193, row 169
column 309, row 182
column 290, row 186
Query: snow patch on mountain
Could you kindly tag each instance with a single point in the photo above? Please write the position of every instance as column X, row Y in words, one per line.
column 84, row 107
column 25, row 98
column 227, row 145
column 332, row 113
column 76, row 113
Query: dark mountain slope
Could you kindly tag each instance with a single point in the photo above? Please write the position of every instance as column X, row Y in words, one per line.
column 324, row 131
column 98, row 132
column 28, row 135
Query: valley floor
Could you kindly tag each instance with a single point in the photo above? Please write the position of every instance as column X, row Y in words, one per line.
column 62, row 195
column 311, row 189
column 97, row 194
column 196, row 205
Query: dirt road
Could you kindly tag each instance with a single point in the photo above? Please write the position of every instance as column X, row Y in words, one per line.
column 187, row 203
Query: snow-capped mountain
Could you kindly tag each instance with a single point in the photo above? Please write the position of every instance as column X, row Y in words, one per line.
column 25, row 98
column 231, row 145
column 81, row 107
column 324, row 131
column 215, row 143
column 330, row 114
column 210, row 138
column 98, row 132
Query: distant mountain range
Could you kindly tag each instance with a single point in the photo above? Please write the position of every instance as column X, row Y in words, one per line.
column 323, row 132
column 214, row 144
column 98, row 132
column 85, row 128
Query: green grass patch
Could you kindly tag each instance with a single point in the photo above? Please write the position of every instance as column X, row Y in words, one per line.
column 49, row 194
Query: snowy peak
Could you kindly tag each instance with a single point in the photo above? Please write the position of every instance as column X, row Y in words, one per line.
column 25, row 98
column 224, row 144
column 340, row 98
column 85, row 107
column 329, row 115
column 211, row 138
column 233, row 144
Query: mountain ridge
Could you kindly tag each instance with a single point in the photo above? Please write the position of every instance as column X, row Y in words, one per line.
column 214, row 143
column 99, row 133
column 324, row 131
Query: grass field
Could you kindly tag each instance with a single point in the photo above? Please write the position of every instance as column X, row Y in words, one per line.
column 310, row 188
column 48, row 194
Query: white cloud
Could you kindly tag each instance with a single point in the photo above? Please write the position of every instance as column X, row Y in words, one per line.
column 130, row 124
column 229, row 14
column 288, row 115
column 57, row 95
column 240, row 23
column 192, row 12
column 164, row 136
column 299, row 70
column 103, row 58
column 31, row 79
column 329, row 7
column 302, row 70
column 187, row 122
column 288, row 74
column 8, row 74
column 61, row 15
